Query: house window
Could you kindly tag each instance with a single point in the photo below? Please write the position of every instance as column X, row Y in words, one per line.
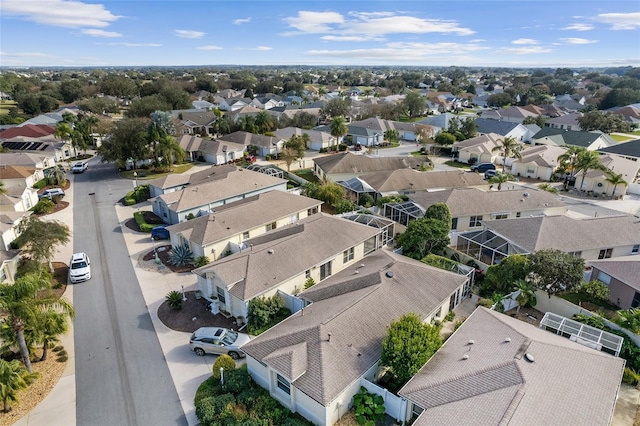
column 369, row 245
column 605, row 253
column 325, row 270
column 245, row 235
column 307, row 274
column 604, row 278
column 220, row 293
column 454, row 223
column 531, row 171
column 502, row 216
column 347, row 255
column 518, row 214
column 636, row 300
column 635, row 249
column 283, row 384
column 416, row 411
column 311, row 211
column 576, row 253
column 475, row 221
column 271, row 226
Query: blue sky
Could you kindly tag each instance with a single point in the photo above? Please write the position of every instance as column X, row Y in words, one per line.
column 509, row 33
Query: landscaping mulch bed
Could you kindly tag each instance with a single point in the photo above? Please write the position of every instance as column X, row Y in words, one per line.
column 193, row 315
column 164, row 254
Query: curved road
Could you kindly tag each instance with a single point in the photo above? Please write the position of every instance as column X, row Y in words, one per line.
column 121, row 374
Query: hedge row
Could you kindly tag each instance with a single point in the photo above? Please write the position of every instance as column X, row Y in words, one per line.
column 144, row 226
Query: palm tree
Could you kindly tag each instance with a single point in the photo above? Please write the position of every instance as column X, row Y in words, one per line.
column 63, row 131
column 338, row 128
column 588, row 160
column 499, row 178
column 527, row 294
column 51, row 325
column 615, row 180
column 22, row 306
column 161, row 126
column 13, row 377
column 509, row 147
column 169, row 149
column 570, row 158
column 264, row 122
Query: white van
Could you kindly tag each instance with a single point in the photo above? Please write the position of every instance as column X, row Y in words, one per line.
column 80, row 167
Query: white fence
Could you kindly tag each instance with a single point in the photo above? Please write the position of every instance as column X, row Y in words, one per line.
column 293, row 303
column 395, row 406
column 633, row 188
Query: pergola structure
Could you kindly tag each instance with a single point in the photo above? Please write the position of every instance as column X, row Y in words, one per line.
column 582, row 333
column 486, row 246
column 403, row 212
column 267, row 170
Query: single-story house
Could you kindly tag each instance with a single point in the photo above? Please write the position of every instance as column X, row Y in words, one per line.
column 317, row 139
column 409, row 181
column 622, row 277
column 60, row 150
column 499, row 370
column 512, row 114
column 479, row 149
column 282, row 260
column 592, row 141
column 217, row 189
column 630, row 113
column 267, row 145
column 629, row 149
column 344, row 166
column 18, row 184
column 565, row 121
column 29, row 159
column 315, row 361
column 591, row 239
column 178, row 181
column 211, row 151
column 596, row 182
column 29, row 131
column 471, row 206
column 193, row 122
column 439, row 122
column 228, row 226
column 9, row 260
column 503, row 128
column 9, row 227
column 538, row 162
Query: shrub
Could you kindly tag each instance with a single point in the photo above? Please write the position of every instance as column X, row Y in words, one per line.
column 630, row 377
column 181, row 255
column 205, row 410
column 250, row 395
column 310, row 282
column 201, row 261
column 457, row 324
column 174, row 300
column 366, row 200
column 266, row 312
column 223, row 361
column 237, row 380
column 40, row 184
column 368, row 407
column 144, row 226
column 450, row 316
column 270, row 409
column 128, row 201
column 595, row 290
column 44, row 206
column 141, row 193
column 487, row 303
column 342, row 147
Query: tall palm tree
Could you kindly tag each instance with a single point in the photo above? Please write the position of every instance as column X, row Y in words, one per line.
column 588, row 160
column 161, row 126
column 570, row 158
column 264, row 121
column 63, row 131
column 169, row 149
column 338, row 128
column 499, row 178
column 22, row 305
column 615, row 180
column 51, row 324
column 13, row 377
column 509, row 147
column 527, row 294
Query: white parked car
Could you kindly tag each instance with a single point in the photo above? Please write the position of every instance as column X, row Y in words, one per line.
column 215, row 340
column 80, row 167
column 79, row 268
column 51, row 192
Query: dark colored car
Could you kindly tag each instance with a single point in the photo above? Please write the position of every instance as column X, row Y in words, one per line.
column 160, row 233
column 483, row 167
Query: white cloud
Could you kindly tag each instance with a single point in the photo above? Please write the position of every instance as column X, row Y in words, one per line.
column 262, row 48
column 314, row 22
column 241, row 21
column 60, row 13
column 525, row 50
column 576, row 40
column 100, row 33
column 133, row 44
column 620, row 21
column 579, row 27
column 350, row 38
column 189, row 34
column 524, row 41
column 210, row 47
column 25, row 55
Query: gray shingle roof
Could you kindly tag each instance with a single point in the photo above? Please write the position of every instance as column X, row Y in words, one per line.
column 542, row 155
column 566, row 384
column 233, row 218
column 407, row 180
column 473, row 201
column 294, row 249
column 568, row 234
column 209, row 174
column 628, row 149
column 355, row 320
column 568, row 137
column 246, row 138
column 360, row 163
column 624, row 269
column 487, row 125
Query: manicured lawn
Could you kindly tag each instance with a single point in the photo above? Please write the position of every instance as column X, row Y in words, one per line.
column 5, row 106
column 456, row 164
column 582, row 299
column 307, row 174
column 621, row 138
column 418, row 154
column 145, row 174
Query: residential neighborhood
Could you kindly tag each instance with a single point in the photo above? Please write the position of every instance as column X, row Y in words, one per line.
column 454, row 257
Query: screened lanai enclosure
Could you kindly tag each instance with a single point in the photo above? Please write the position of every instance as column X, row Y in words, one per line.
column 386, row 227
column 267, row 170
column 403, row 212
column 355, row 187
column 486, row 246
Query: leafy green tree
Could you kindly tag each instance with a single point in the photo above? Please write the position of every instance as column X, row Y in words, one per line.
column 39, row 239
column 128, row 140
column 391, row 136
column 409, row 344
column 629, row 319
column 338, row 128
column 468, row 128
column 445, row 138
column 294, row 149
column 22, row 306
column 538, row 121
column 501, row 278
column 331, row 193
column 594, row 290
column 439, row 211
column 264, row 310
column 336, row 107
column 424, row 236
column 71, row 91
column 13, row 377
column 605, row 122
column 509, row 147
column 119, row 86
column 555, row 271
column 145, row 106
column 500, row 99
column 414, row 104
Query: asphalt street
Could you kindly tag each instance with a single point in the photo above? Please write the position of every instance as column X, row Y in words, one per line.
column 121, row 375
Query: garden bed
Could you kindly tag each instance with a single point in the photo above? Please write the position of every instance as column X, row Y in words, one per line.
column 193, row 315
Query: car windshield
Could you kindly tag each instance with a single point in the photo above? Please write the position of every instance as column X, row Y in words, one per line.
column 229, row 337
column 78, row 265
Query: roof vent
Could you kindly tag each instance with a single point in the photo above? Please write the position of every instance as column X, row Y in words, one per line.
column 329, row 337
column 529, row 357
column 270, row 251
column 465, row 356
column 507, row 340
column 389, row 274
column 356, row 272
column 526, row 194
column 471, row 342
